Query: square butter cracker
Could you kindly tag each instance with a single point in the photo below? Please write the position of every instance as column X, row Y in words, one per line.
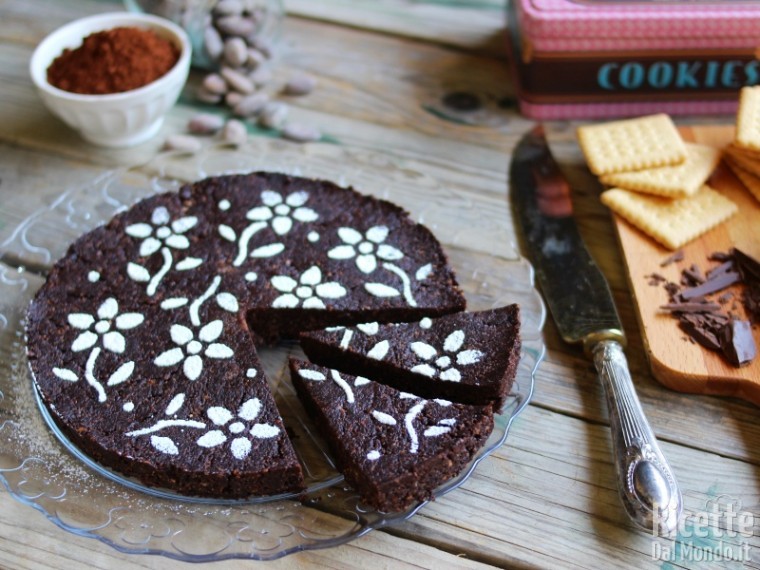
column 631, row 144
column 748, row 119
column 750, row 181
column 671, row 222
column 677, row 181
column 743, row 160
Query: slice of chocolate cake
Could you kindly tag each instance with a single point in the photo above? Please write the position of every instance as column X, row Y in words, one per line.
column 393, row 447
column 140, row 340
column 465, row 357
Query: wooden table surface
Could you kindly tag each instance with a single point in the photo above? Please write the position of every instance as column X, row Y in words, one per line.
column 548, row 497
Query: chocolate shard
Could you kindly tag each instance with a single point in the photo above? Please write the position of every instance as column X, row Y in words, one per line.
column 713, row 285
column 677, row 256
column 694, row 275
column 720, row 256
column 720, row 269
column 700, row 334
column 691, row 307
column 737, row 343
column 748, row 266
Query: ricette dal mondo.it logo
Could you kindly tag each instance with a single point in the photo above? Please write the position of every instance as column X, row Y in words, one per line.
column 720, row 532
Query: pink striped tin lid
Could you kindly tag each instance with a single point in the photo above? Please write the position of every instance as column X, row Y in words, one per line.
column 573, row 25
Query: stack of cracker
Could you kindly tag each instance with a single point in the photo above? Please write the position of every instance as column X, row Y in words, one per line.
column 743, row 155
column 657, row 180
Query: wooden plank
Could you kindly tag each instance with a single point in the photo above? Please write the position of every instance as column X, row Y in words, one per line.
column 679, row 364
column 473, row 24
column 31, row 542
column 377, row 97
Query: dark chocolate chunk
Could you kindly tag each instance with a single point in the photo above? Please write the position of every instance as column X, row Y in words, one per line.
column 737, row 343
column 677, row 256
column 713, row 285
column 691, row 307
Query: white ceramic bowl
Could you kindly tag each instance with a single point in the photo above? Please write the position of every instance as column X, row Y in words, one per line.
column 118, row 119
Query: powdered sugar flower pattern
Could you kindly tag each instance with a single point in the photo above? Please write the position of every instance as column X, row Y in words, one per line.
column 276, row 211
column 366, row 249
column 238, row 430
column 108, row 318
column 442, row 366
column 163, row 235
column 369, row 252
column 189, row 349
column 281, row 213
column 101, row 328
column 308, row 291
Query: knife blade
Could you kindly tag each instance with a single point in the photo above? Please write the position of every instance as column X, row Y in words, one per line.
column 583, row 309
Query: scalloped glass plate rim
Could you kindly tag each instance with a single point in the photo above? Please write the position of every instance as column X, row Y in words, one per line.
column 519, row 399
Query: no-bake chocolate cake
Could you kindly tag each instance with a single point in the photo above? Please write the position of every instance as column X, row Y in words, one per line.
column 140, row 340
column 393, row 447
column 465, row 357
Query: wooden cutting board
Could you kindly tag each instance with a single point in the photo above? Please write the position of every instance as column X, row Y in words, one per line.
column 675, row 361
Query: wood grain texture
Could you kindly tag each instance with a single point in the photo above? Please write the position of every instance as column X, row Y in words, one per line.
column 547, row 498
column 676, row 362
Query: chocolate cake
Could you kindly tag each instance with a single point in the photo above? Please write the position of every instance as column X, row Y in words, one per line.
column 140, row 340
column 465, row 357
column 394, row 448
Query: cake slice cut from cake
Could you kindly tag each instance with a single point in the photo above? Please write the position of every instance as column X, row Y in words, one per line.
column 465, row 357
column 394, row 448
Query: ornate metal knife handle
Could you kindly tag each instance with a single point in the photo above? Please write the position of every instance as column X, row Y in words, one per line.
column 647, row 485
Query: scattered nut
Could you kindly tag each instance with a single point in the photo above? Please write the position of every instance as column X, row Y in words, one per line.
column 235, row 52
column 228, row 8
column 234, row 132
column 300, row 84
column 255, row 57
column 233, row 98
column 205, row 124
column 213, row 43
column 214, row 83
column 273, row 115
column 301, row 133
column 207, row 96
column 182, row 143
column 251, row 104
column 237, row 80
column 236, row 26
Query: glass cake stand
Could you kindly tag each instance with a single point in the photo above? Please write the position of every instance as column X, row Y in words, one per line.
column 40, row 468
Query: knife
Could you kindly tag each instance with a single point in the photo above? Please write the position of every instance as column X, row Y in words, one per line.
column 581, row 303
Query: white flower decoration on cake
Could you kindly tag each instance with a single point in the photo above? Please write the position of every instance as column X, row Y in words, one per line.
column 161, row 235
column 281, row 213
column 367, row 248
column 275, row 211
column 307, row 291
column 189, row 350
column 442, row 366
column 108, row 318
column 239, row 430
column 160, row 232
column 370, row 251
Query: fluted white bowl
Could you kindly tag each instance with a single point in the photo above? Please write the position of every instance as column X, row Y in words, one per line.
column 117, row 119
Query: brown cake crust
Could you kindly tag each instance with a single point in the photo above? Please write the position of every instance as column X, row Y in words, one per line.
column 470, row 358
column 394, row 448
column 139, row 340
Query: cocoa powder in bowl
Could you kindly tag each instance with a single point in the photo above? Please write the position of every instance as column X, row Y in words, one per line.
column 113, row 61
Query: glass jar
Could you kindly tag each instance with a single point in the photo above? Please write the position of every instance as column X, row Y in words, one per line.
column 211, row 22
